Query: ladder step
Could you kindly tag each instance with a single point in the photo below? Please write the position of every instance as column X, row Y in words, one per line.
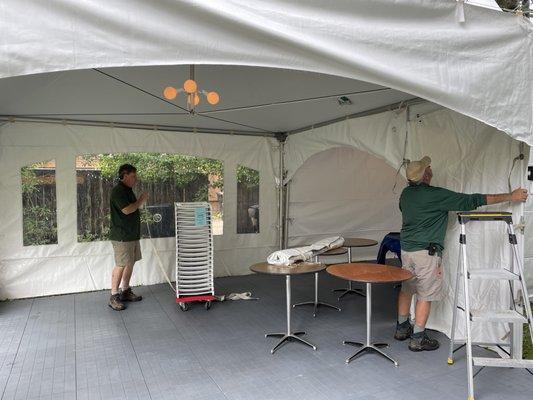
column 493, row 273
column 497, row 316
column 502, row 362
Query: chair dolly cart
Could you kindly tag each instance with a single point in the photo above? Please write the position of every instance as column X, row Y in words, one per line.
column 194, row 254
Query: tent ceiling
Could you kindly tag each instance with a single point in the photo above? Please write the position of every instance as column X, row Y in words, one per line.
column 92, row 96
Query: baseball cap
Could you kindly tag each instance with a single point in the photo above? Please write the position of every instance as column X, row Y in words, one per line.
column 415, row 169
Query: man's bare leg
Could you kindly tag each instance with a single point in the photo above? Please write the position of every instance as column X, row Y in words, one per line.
column 404, row 329
column 126, row 293
column 404, row 303
column 422, row 310
column 116, row 278
column 126, row 276
column 114, row 300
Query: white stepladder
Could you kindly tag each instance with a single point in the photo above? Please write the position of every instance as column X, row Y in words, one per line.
column 194, row 254
column 512, row 315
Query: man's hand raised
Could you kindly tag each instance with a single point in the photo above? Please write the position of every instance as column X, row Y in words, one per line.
column 143, row 198
column 519, row 195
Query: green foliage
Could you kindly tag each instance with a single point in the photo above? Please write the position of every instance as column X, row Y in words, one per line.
column 29, row 181
column 39, row 225
column 247, row 176
column 157, row 168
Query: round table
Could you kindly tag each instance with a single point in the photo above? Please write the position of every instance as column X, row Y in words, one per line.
column 288, row 271
column 316, row 303
column 369, row 274
column 350, row 243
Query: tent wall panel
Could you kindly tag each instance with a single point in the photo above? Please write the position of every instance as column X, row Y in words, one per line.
column 467, row 155
column 344, row 191
column 70, row 266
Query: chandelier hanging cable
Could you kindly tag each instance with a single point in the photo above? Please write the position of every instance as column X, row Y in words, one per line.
column 193, row 93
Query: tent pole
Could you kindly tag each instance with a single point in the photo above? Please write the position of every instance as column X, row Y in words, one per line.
column 281, row 192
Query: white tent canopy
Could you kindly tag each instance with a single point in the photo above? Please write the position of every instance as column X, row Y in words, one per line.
column 481, row 68
column 383, row 55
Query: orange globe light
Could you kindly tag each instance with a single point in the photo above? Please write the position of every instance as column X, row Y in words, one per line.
column 190, row 86
column 213, row 98
column 170, row 93
column 193, row 99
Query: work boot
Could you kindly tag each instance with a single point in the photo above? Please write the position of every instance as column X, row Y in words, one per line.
column 403, row 331
column 115, row 303
column 420, row 341
column 128, row 295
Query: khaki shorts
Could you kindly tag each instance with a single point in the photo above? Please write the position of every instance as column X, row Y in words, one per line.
column 427, row 271
column 126, row 253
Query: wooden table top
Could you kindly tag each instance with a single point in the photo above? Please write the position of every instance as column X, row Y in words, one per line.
column 335, row 252
column 295, row 269
column 359, row 242
column 369, row 273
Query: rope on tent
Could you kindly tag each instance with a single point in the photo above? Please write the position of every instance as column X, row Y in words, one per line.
column 404, row 160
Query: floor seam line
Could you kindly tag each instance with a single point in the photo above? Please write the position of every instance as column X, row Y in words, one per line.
column 190, row 348
column 18, row 348
column 136, row 356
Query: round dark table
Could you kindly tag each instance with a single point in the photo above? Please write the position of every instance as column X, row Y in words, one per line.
column 369, row 274
column 288, row 271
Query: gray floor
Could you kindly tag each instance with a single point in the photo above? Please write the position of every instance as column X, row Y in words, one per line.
column 75, row 347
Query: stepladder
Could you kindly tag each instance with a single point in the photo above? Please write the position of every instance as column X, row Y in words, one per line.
column 517, row 311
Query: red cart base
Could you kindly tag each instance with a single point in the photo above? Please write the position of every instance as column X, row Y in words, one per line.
column 183, row 302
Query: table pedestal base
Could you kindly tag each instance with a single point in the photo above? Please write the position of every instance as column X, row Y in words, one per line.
column 349, row 290
column 369, row 347
column 316, row 306
column 316, row 303
column 288, row 337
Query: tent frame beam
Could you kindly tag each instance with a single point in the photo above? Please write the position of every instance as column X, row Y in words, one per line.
column 377, row 110
column 126, row 125
column 280, row 136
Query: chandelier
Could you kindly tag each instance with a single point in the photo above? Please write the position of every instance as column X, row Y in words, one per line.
column 192, row 92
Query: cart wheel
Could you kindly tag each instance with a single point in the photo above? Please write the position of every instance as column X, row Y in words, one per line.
column 184, row 306
column 207, row 305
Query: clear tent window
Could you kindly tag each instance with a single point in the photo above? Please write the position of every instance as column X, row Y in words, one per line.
column 168, row 178
column 39, row 203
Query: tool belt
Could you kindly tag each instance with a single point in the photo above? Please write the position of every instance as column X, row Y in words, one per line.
column 432, row 249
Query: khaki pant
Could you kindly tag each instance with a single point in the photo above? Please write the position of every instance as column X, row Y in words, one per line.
column 427, row 271
column 126, row 253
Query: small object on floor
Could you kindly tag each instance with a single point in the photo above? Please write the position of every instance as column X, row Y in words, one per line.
column 241, row 296
column 219, row 297
column 128, row 295
column 403, row 331
column 422, row 342
column 115, row 303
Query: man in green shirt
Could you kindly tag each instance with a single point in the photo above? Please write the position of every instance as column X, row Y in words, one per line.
column 424, row 221
column 125, row 232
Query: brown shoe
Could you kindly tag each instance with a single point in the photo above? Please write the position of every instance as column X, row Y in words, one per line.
column 128, row 295
column 115, row 303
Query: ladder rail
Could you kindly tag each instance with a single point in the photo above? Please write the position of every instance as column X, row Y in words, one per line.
column 513, row 316
column 469, row 359
column 525, row 295
column 455, row 309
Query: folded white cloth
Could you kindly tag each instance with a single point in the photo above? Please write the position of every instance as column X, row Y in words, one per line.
column 329, row 243
column 299, row 254
column 290, row 256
